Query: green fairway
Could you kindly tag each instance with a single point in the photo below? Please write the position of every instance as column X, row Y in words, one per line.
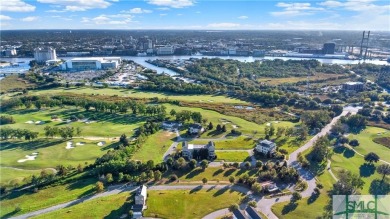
column 216, row 118
column 105, row 125
column 155, row 147
column 45, row 198
column 233, row 156
column 365, row 138
column 188, row 204
column 210, row 173
column 51, row 152
column 10, row 175
column 241, row 142
column 113, row 206
column 141, row 94
column 348, row 160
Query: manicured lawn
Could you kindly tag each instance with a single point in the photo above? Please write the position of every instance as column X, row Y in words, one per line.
column 51, row 152
column 142, row 94
column 365, row 138
column 155, row 147
column 241, row 142
column 188, row 204
column 45, row 198
column 216, row 118
column 348, row 160
column 106, row 125
column 210, row 173
column 303, row 209
column 113, row 206
column 8, row 175
column 233, row 156
column 290, row 144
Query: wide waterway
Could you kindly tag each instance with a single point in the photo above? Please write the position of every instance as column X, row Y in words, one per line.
column 23, row 62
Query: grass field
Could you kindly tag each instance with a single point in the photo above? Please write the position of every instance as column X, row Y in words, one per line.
column 113, row 206
column 241, row 142
column 365, row 138
column 9, row 175
column 45, row 198
column 277, row 81
column 290, row 144
column 106, row 125
column 216, row 118
column 348, row 160
column 142, row 94
column 13, row 82
column 210, row 173
column 52, row 152
column 155, row 147
column 233, row 156
column 188, row 204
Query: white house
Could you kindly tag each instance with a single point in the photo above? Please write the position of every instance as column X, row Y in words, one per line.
column 171, row 125
column 195, row 128
column 265, row 146
column 139, row 201
column 188, row 149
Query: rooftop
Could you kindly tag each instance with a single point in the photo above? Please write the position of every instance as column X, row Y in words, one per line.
column 352, row 83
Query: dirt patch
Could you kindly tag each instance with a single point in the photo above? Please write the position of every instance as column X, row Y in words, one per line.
column 385, row 141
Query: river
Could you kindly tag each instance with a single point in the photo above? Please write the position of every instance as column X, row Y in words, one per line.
column 23, row 62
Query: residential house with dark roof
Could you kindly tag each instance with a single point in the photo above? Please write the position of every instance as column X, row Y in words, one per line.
column 195, row 128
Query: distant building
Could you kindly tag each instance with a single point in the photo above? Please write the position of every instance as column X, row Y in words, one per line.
column 329, row 48
column 139, row 201
column 165, row 50
column 258, row 53
column 265, row 147
column 10, row 52
column 93, row 63
column 188, row 149
column 353, row 86
column 195, row 128
column 145, row 43
column 41, row 55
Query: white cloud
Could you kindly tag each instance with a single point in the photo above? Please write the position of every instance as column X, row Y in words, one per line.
column 243, row 17
column 163, row 8
column 331, row 4
column 163, row 15
column 78, row 5
column 55, row 11
column 302, row 25
column 172, row 3
column 15, row 6
column 5, row 18
column 223, row 25
column 116, row 19
column 179, row 14
column 137, row 11
column 295, row 9
column 29, row 19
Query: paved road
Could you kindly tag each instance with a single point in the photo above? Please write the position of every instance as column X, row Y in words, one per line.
column 113, row 190
column 293, row 156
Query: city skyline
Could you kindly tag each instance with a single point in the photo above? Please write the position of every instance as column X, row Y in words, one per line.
column 190, row 14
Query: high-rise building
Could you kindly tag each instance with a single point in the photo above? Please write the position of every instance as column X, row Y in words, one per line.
column 41, row 55
column 165, row 50
column 329, row 48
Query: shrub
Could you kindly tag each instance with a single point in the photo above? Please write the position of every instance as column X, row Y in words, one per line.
column 173, row 177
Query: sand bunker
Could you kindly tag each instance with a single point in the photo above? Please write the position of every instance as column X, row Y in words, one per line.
column 39, row 122
column 268, row 124
column 69, row 145
column 80, row 143
column 234, row 126
column 101, row 143
column 29, row 122
column 28, row 157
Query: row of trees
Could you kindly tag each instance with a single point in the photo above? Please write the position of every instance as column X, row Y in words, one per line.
column 6, row 120
column 9, row 133
column 64, row 132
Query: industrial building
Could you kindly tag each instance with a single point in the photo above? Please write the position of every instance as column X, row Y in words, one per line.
column 353, row 86
column 41, row 55
column 91, row 63
column 165, row 50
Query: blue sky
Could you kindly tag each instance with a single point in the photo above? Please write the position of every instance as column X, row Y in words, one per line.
column 195, row 14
